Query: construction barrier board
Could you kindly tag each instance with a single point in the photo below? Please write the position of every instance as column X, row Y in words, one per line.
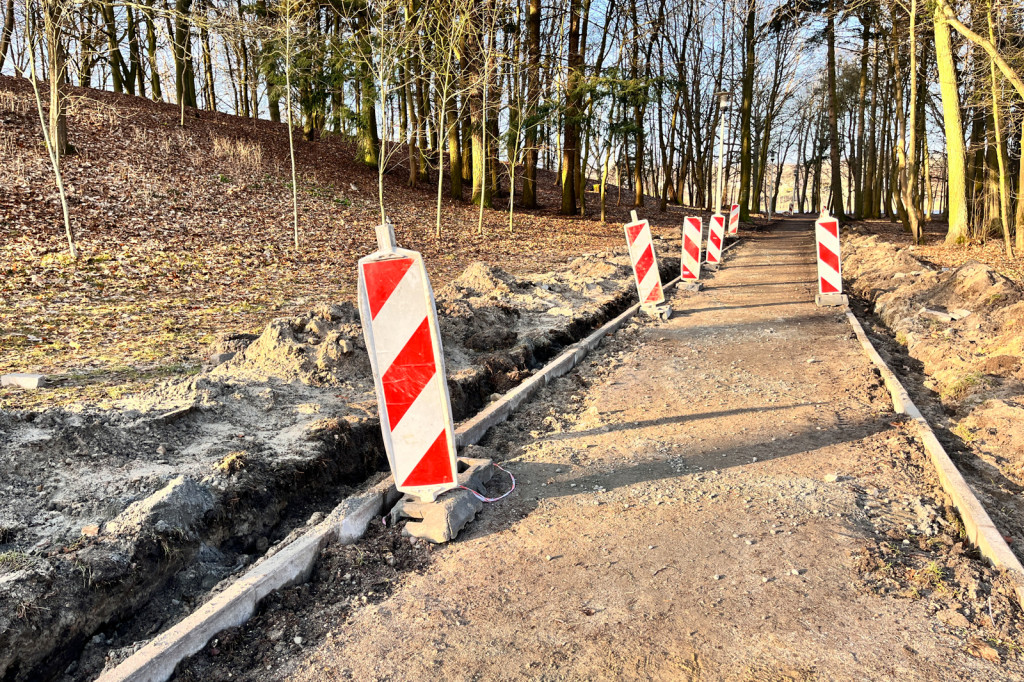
column 716, row 232
column 690, row 264
column 645, row 262
column 734, row 220
column 399, row 317
column 830, row 268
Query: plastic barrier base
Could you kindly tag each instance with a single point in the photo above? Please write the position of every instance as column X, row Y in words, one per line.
column 658, row 312
column 831, row 300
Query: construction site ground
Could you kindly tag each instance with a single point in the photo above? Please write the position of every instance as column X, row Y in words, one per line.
column 726, row 495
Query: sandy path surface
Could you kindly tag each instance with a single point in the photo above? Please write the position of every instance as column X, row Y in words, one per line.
column 677, row 518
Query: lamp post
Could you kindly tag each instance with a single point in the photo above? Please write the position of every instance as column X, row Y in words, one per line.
column 723, row 107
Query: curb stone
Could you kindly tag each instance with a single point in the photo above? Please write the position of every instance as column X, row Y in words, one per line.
column 981, row 531
column 156, row 661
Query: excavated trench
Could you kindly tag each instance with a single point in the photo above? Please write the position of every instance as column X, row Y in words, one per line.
column 94, row 600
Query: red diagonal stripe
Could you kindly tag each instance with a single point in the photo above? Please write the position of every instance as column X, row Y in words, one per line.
column 692, row 250
column 644, row 263
column 832, row 226
column 633, row 231
column 827, row 257
column 687, row 274
column 655, row 294
column 435, row 467
column 408, row 374
column 381, row 279
column 715, row 239
column 827, row 288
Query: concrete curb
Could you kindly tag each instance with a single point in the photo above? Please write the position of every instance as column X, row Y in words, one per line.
column 292, row 565
column 156, row 661
column 980, row 529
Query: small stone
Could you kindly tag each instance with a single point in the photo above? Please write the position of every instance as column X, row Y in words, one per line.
column 219, row 358
column 718, row 576
column 953, row 618
column 832, row 478
column 298, row 640
column 796, row 571
column 91, row 531
column 21, row 380
column 548, row 557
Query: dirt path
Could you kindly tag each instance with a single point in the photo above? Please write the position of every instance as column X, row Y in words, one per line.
column 676, row 518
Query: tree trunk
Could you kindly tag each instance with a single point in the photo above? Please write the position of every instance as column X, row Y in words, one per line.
column 367, row 139
column 185, row 86
column 477, row 72
column 1000, row 147
column 5, row 36
column 155, row 89
column 869, row 190
column 833, row 115
column 569, row 132
column 454, row 151
column 956, row 154
column 53, row 16
column 746, row 104
column 1019, row 216
column 532, row 102
column 858, row 157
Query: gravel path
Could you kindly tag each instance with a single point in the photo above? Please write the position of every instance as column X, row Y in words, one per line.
column 727, row 495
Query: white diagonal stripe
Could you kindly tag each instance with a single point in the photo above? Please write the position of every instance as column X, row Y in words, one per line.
column 419, row 428
column 714, row 250
column 642, row 240
column 399, row 317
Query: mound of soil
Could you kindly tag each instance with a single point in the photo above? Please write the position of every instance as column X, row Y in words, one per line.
column 966, row 325
column 179, row 486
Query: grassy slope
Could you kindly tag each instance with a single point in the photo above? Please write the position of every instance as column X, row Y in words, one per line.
column 186, row 232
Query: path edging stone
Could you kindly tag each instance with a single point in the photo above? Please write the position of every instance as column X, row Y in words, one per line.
column 980, row 529
column 156, row 661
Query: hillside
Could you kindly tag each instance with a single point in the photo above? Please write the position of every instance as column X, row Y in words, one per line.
column 185, row 232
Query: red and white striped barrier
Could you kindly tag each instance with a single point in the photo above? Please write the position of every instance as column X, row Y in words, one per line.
column 830, row 268
column 716, row 232
column 645, row 263
column 734, row 220
column 692, row 229
column 396, row 305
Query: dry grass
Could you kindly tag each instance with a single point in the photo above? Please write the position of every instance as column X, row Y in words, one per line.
column 243, row 156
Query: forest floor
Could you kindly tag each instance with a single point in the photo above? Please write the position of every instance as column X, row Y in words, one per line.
column 726, row 495
column 186, row 233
